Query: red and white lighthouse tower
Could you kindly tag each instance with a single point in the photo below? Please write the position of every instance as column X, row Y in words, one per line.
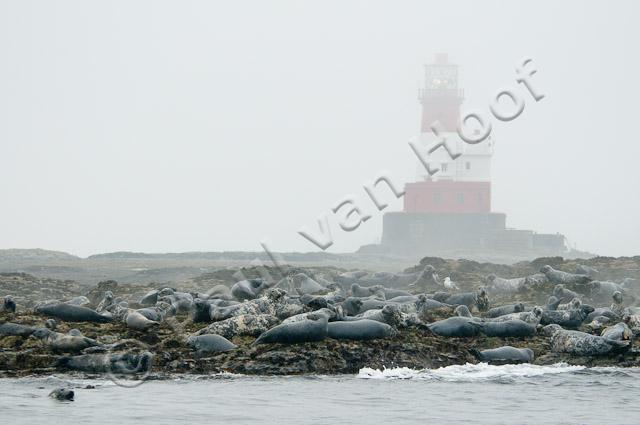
column 449, row 213
column 463, row 185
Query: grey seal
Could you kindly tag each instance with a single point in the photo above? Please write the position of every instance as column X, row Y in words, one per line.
column 210, row 343
column 79, row 301
column 347, row 278
column 427, row 304
column 352, row 306
column 477, row 299
column 455, row 327
column 553, row 303
column 273, row 301
column 602, row 311
column 508, row 329
column 497, row 284
column 563, row 294
column 127, row 363
column 463, row 311
column 303, row 284
column 359, row 330
column 506, row 353
column 315, row 328
column 581, row 343
column 64, row 343
column 9, row 304
column 62, row 394
column 586, row 270
column 619, row 331
column 72, row 313
column 603, row 290
column 532, row 317
column 243, row 325
column 15, row 329
column 404, row 299
column 389, row 314
column 505, row 309
column 574, row 304
column 390, row 293
column 150, row 298
column 598, row 324
column 135, row 320
column 365, row 291
column 331, row 314
column 566, row 318
column 248, row 289
column 558, row 276
column 427, row 278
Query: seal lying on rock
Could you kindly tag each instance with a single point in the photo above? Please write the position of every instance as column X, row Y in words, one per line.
column 602, row 311
column 505, row 309
column 463, row 311
column 128, row 363
column 563, row 294
column 332, row 313
column 303, row 284
column 558, row 276
column 352, row 306
column 603, row 291
column 367, row 291
column 532, row 317
column 248, row 289
column 150, row 298
column 477, row 299
column 508, row 329
column 64, row 343
column 389, row 314
column 427, row 278
column 552, row 303
column 619, row 332
column 14, row 329
column 497, row 284
column 581, row 343
column 135, row 320
column 210, row 343
column 244, row 325
column 80, row 301
column 504, row 354
column 598, row 324
column 455, row 327
column 586, row 270
column 566, row 318
column 315, row 328
column 574, row 304
column 359, row 330
column 71, row 313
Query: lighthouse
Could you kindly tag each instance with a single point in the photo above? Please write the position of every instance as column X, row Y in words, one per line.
column 462, row 185
column 448, row 213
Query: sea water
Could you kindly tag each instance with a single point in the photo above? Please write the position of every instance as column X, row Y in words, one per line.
column 468, row 394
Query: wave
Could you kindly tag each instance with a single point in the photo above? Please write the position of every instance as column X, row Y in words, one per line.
column 469, row 372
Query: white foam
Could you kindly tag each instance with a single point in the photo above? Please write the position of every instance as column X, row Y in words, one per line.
column 469, row 372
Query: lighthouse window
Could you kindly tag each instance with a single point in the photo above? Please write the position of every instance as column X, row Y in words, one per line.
column 444, row 167
column 468, row 165
column 460, row 198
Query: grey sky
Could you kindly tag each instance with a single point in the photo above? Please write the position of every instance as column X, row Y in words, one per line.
column 180, row 126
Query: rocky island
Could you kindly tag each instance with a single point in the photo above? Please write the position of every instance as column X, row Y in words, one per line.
column 325, row 320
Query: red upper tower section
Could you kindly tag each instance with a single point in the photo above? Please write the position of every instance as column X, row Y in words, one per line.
column 440, row 98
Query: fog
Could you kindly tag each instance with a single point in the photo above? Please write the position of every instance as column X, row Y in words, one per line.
column 206, row 126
